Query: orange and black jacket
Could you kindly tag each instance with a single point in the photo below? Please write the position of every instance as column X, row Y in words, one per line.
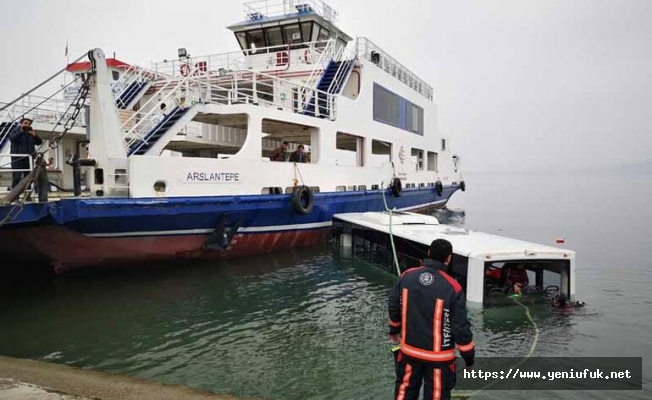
column 427, row 307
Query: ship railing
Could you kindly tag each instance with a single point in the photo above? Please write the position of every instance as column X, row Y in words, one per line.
column 132, row 74
column 6, row 168
column 368, row 50
column 140, row 123
column 258, row 88
column 344, row 54
column 38, row 108
column 261, row 9
column 239, row 87
column 320, row 66
column 264, row 58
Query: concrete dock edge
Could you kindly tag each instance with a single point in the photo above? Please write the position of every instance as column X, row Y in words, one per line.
column 66, row 380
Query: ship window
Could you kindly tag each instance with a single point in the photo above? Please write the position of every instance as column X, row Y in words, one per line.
column 242, row 40
column 116, row 75
column 315, row 33
column 274, row 36
column 292, row 34
column 306, row 30
column 256, row 40
column 386, row 106
column 324, row 34
column 381, row 153
column 417, row 159
column 349, row 150
column 272, row 190
column 160, row 186
column 432, row 161
column 394, row 110
column 414, row 118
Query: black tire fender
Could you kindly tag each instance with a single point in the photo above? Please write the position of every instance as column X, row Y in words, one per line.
column 463, row 186
column 302, row 200
column 397, row 187
column 439, row 188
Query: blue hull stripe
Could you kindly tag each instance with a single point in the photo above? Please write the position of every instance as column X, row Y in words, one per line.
column 123, row 217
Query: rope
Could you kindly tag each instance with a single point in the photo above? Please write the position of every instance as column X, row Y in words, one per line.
column 391, row 235
column 297, row 170
column 535, row 341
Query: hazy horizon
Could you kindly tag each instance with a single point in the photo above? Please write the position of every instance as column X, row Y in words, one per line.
column 519, row 85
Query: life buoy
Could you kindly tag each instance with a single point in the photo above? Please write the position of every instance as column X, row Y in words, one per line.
column 439, row 188
column 463, row 186
column 184, row 69
column 306, row 56
column 397, row 187
column 302, row 200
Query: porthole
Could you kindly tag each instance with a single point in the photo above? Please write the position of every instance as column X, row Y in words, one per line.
column 160, row 187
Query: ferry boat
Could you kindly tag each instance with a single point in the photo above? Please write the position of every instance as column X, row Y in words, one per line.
column 180, row 159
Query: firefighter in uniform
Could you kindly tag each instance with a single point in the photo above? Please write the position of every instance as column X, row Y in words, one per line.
column 427, row 315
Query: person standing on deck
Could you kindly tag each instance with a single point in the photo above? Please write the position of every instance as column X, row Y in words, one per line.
column 427, row 316
column 23, row 141
column 279, row 153
column 299, row 155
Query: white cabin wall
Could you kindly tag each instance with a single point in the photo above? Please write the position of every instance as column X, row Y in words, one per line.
column 358, row 113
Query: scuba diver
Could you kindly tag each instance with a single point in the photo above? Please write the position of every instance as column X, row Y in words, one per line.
column 560, row 301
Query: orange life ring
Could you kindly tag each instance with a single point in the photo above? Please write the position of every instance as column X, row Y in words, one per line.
column 306, row 56
column 184, row 69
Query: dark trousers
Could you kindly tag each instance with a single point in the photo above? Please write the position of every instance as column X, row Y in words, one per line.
column 438, row 380
column 18, row 175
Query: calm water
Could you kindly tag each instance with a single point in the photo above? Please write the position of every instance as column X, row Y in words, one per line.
column 311, row 324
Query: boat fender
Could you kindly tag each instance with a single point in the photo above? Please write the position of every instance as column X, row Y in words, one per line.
column 463, row 186
column 397, row 187
column 184, row 69
column 302, row 199
column 439, row 187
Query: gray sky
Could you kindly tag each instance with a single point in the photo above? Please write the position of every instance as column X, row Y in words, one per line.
column 520, row 84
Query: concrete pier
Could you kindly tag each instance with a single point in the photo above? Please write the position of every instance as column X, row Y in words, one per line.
column 36, row 380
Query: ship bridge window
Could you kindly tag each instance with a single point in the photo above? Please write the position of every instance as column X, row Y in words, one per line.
column 256, row 40
column 274, row 36
column 292, row 35
column 116, row 75
column 324, row 34
column 242, row 40
column 306, row 30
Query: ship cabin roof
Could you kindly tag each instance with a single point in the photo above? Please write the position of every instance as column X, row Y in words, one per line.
column 294, row 23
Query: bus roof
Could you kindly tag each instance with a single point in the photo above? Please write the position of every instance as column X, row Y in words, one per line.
column 424, row 229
